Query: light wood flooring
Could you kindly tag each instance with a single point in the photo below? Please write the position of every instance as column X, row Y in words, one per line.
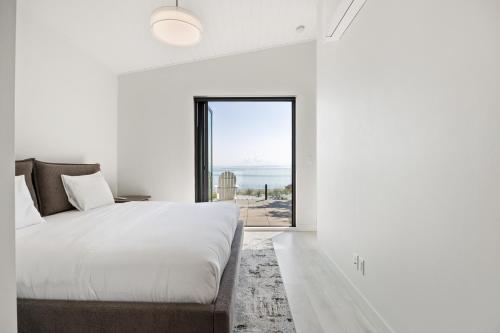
column 320, row 299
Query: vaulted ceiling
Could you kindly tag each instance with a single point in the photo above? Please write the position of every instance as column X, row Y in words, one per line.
column 116, row 32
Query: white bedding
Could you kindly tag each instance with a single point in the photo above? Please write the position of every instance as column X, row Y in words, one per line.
column 137, row 251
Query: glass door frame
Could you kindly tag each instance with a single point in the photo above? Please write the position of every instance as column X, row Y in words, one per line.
column 202, row 137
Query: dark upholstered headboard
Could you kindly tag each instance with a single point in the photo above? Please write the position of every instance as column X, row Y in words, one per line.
column 26, row 167
column 49, row 188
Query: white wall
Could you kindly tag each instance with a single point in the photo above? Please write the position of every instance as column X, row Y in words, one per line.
column 66, row 103
column 8, row 322
column 156, row 112
column 409, row 161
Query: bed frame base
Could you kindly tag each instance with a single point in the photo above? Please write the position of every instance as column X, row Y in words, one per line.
column 54, row 316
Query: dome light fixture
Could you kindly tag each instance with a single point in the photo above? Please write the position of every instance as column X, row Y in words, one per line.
column 176, row 26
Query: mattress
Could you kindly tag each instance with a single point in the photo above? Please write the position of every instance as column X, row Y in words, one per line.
column 137, row 251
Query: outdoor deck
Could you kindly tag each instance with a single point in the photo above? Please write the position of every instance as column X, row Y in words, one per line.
column 257, row 212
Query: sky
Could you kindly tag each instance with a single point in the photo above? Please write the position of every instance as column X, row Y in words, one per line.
column 252, row 133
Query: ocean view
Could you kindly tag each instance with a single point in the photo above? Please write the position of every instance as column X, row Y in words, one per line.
column 255, row 177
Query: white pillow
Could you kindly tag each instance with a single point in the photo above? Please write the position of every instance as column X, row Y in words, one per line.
column 87, row 192
column 26, row 213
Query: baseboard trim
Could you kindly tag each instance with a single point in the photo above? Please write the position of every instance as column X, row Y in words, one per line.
column 305, row 227
column 378, row 322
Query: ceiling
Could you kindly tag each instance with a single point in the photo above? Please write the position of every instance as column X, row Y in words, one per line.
column 116, row 32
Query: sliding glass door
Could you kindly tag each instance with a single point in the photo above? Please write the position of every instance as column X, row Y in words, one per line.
column 210, row 160
column 203, row 158
column 245, row 153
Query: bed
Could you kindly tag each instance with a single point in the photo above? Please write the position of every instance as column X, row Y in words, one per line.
column 133, row 267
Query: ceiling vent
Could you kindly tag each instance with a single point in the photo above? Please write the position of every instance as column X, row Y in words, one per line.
column 343, row 17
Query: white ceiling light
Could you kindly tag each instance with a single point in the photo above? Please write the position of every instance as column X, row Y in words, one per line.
column 176, row 26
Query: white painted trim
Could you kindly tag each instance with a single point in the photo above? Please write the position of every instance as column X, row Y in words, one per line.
column 375, row 318
column 305, row 227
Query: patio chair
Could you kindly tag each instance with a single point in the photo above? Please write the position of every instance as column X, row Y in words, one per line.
column 226, row 190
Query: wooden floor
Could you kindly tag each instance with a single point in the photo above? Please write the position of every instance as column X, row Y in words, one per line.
column 320, row 299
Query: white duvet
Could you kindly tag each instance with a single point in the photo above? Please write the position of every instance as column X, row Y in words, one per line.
column 138, row 251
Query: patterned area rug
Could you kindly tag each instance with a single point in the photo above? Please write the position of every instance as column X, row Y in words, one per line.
column 261, row 302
